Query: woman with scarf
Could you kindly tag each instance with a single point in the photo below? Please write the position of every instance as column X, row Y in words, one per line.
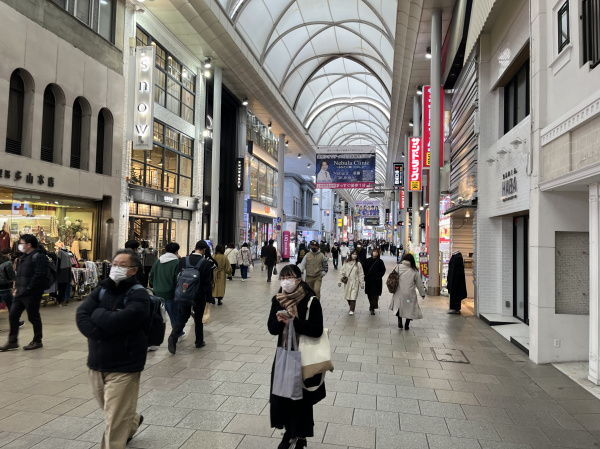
column 374, row 271
column 296, row 417
column 352, row 272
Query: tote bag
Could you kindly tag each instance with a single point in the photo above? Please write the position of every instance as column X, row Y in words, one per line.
column 316, row 353
column 287, row 375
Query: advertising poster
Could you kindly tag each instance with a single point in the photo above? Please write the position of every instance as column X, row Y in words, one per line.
column 367, row 208
column 414, row 164
column 345, row 167
column 285, row 253
column 427, row 128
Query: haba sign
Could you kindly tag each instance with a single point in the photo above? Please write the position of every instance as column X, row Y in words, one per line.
column 414, row 164
column 509, row 185
column 143, row 114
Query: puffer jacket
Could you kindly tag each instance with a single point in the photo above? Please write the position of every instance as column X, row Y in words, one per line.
column 117, row 340
column 163, row 276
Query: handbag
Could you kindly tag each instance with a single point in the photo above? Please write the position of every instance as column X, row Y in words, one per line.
column 392, row 281
column 345, row 278
column 287, row 372
column 316, row 354
column 275, row 270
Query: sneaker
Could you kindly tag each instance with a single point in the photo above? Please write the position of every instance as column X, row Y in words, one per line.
column 139, row 425
column 182, row 337
column 220, row 303
column 200, row 345
column 33, row 345
column 9, row 347
column 372, row 312
column 453, row 312
column 243, row 280
column 351, row 313
column 297, row 443
column 152, row 348
column 172, row 345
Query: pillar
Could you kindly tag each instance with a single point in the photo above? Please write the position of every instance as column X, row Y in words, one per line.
column 594, row 369
column 216, row 158
column 416, row 196
column 280, row 182
column 241, row 153
column 434, row 171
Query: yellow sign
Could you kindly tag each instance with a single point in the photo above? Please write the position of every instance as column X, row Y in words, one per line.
column 339, row 222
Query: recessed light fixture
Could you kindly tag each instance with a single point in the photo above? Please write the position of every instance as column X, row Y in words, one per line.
column 299, row 156
column 428, row 53
column 245, row 101
column 287, row 142
column 269, row 125
column 419, row 90
column 207, row 63
column 410, row 123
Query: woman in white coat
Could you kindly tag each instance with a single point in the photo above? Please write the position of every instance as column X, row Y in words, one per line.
column 404, row 301
column 352, row 270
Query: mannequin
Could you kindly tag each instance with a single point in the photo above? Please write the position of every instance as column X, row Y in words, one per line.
column 4, row 237
column 63, row 273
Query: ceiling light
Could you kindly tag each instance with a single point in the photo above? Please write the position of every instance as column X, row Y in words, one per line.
column 56, row 202
column 428, row 53
column 245, row 101
column 269, row 125
column 410, row 123
column 468, row 214
column 207, row 74
column 421, row 208
column 287, row 142
column 308, row 166
column 419, row 90
column 299, row 156
column 207, row 63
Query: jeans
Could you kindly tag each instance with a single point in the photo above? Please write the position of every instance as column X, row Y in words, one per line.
column 244, row 270
column 32, row 305
column 6, row 296
column 184, row 315
column 335, row 262
column 344, row 260
column 172, row 309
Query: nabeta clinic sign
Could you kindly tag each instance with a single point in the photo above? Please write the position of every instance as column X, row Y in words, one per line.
column 143, row 114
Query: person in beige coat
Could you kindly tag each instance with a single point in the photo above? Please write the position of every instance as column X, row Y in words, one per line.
column 353, row 270
column 220, row 274
column 404, row 301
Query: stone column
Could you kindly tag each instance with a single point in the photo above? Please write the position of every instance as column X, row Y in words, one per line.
column 216, row 158
column 434, row 171
column 594, row 369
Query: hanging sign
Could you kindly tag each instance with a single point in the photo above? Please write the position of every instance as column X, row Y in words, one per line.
column 239, row 174
column 398, row 174
column 414, row 167
column 285, row 253
column 427, row 127
column 345, row 167
column 143, row 114
column 402, row 199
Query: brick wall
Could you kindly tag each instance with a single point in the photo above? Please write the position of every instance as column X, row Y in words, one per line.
column 572, row 273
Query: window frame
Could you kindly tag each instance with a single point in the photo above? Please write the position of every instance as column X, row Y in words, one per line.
column 564, row 9
column 93, row 17
column 511, row 89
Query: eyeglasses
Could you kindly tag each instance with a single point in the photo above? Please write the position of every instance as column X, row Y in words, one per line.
column 123, row 266
column 287, row 278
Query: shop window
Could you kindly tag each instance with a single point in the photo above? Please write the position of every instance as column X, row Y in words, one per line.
column 99, row 16
column 516, row 98
column 590, row 13
column 106, row 19
column 141, row 38
column 159, row 132
column 80, row 134
column 104, row 142
column 262, row 182
column 16, row 105
column 185, row 186
column 563, row 26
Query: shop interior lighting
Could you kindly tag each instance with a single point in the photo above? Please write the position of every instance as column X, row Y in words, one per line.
column 410, row 123
column 428, row 53
column 468, row 214
column 245, row 101
column 419, row 90
column 207, row 63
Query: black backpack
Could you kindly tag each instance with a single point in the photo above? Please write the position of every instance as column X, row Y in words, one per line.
column 156, row 324
column 51, row 262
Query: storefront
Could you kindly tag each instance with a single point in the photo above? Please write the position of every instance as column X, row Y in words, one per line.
column 57, row 221
column 261, row 225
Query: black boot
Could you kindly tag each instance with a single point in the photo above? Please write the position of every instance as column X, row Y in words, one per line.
column 406, row 325
column 399, row 320
column 285, row 441
column 220, row 301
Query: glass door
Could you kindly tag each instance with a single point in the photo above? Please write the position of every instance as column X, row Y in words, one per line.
column 520, row 273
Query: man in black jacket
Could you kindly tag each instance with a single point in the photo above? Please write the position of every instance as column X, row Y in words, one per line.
column 31, row 277
column 203, row 295
column 270, row 259
column 113, row 318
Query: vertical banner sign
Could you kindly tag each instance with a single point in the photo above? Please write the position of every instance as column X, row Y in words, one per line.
column 286, row 245
column 427, row 127
column 398, row 174
column 346, row 167
column 414, row 168
column 143, row 114
column 239, row 174
column 402, row 199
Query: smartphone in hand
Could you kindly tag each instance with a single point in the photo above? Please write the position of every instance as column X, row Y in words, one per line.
column 284, row 313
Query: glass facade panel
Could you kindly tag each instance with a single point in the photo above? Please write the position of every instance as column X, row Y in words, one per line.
column 170, row 180
column 170, row 161
column 185, row 167
column 263, row 179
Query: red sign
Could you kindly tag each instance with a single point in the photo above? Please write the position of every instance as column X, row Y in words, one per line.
column 402, row 199
column 414, row 164
column 286, row 245
column 427, row 127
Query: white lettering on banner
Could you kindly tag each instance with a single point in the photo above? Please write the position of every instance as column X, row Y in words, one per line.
column 143, row 116
column 414, row 173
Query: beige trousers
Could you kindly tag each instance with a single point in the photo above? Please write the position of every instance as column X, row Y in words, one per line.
column 315, row 282
column 117, row 394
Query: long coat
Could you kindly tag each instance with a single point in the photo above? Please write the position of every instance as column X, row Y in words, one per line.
column 374, row 271
column 405, row 298
column 220, row 275
column 356, row 279
column 457, row 284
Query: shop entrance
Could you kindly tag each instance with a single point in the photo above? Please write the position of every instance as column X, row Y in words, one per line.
column 520, row 270
column 159, row 225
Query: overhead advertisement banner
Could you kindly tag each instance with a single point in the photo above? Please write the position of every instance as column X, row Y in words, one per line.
column 345, row 167
column 371, row 221
column 427, row 127
column 367, row 208
column 399, row 174
column 414, row 164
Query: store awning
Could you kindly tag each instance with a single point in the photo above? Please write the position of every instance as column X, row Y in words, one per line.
column 461, row 208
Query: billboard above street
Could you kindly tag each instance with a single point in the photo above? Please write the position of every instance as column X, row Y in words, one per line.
column 345, row 167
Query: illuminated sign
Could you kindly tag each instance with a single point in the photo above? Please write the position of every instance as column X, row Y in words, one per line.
column 239, row 174
column 414, row 165
column 143, row 114
column 398, row 174
column 427, row 127
column 402, row 199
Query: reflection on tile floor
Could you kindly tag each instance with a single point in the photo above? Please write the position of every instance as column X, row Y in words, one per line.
column 387, row 390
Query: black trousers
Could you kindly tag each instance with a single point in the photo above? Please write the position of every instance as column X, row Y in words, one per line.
column 335, row 262
column 269, row 272
column 233, row 268
column 184, row 315
column 19, row 305
column 62, row 290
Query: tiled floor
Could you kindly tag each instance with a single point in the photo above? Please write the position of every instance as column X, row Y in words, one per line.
column 387, row 391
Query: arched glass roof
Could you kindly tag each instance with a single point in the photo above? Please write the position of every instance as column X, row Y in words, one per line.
column 332, row 61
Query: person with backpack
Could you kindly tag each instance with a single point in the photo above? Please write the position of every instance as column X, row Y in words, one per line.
column 244, row 260
column 163, row 279
column 114, row 319
column 32, row 279
column 194, row 290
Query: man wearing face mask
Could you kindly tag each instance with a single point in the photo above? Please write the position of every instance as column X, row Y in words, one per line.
column 113, row 318
column 30, row 280
column 316, row 267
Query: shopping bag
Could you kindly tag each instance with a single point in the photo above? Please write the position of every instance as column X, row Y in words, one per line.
column 275, row 271
column 206, row 316
column 315, row 352
column 287, row 374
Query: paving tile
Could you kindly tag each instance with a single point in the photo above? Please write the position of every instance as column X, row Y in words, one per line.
column 426, row 394
column 441, row 409
column 356, row 401
column 158, row 437
column 376, row 389
column 250, row 425
column 522, row 434
column 60, row 443
column 257, row 442
column 486, row 414
column 531, row 419
column 164, row 416
column 424, row 382
column 471, row 429
column 571, row 438
column 589, row 421
column 206, row 420
column 567, row 421
column 25, row 442
column 423, row 424
column 378, row 419
column 331, row 414
column 201, row 401
column 342, row 386
column 392, row 379
column 25, row 422
column 236, row 389
column 216, row 440
column 345, row 435
column 445, row 442
column 486, row 444
column 238, row 404
column 456, row 397
column 36, row 403
column 68, row 427
column 357, row 376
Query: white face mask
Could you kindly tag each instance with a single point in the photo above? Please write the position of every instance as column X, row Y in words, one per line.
column 21, row 247
column 288, row 285
column 118, row 274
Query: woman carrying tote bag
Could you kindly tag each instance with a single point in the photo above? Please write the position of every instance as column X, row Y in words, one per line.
column 291, row 303
column 404, row 301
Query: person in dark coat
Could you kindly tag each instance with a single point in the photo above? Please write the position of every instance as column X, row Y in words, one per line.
column 270, row 259
column 374, row 269
column 134, row 246
column 457, row 284
column 118, row 344
column 362, row 253
column 296, row 417
column 301, row 253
